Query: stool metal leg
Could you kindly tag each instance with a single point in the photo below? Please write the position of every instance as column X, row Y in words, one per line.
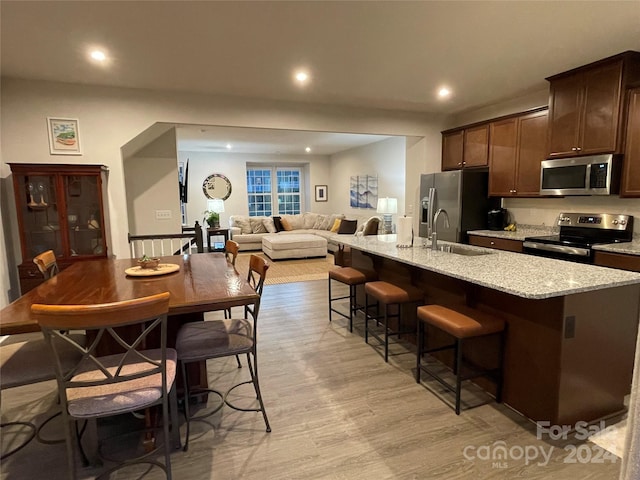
column 366, row 318
column 352, row 304
column 386, row 333
column 458, row 373
column 420, row 339
column 330, row 308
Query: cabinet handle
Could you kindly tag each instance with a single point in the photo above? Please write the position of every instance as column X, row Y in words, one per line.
column 578, row 149
column 492, row 243
column 464, row 163
column 459, row 163
column 574, row 149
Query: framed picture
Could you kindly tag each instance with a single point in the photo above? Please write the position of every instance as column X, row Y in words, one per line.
column 321, row 193
column 64, row 136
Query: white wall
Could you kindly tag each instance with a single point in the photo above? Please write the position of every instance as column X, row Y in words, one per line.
column 112, row 117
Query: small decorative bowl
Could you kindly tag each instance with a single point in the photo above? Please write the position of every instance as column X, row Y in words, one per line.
column 149, row 263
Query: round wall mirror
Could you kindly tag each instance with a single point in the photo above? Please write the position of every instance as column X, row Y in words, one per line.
column 216, row 185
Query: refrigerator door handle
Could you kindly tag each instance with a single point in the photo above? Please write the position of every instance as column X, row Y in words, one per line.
column 432, row 199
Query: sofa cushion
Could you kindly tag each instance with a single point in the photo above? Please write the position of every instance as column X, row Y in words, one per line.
column 348, row 226
column 269, row 225
column 286, row 224
column 256, row 225
column 277, row 221
column 320, row 219
column 309, row 220
column 296, row 221
column 243, row 223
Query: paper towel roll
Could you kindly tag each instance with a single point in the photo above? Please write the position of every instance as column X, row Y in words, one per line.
column 405, row 232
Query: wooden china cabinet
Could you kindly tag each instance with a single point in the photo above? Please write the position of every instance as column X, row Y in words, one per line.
column 60, row 208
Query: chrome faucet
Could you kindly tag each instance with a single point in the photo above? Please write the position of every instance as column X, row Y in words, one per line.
column 434, row 235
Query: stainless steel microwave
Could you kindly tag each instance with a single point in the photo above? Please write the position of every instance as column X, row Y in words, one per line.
column 593, row 175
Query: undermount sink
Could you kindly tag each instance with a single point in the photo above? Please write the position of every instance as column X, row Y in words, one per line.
column 458, row 250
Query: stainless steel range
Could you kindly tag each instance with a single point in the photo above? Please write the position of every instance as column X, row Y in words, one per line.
column 578, row 233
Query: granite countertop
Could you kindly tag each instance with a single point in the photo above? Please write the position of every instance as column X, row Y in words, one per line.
column 526, row 276
column 629, row 248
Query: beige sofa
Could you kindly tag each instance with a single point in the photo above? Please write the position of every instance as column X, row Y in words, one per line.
column 249, row 231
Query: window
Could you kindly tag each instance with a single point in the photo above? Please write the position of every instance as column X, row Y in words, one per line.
column 264, row 200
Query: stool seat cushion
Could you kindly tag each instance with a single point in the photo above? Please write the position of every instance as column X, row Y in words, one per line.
column 352, row 276
column 389, row 293
column 464, row 322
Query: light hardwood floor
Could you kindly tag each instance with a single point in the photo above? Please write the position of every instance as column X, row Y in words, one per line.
column 337, row 412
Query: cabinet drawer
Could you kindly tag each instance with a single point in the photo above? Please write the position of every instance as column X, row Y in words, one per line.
column 497, row 243
column 617, row 260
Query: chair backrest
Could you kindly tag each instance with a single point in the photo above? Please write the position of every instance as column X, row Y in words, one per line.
column 47, row 264
column 100, row 321
column 231, row 249
column 372, row 226
column 258, row 267
column 162, row 244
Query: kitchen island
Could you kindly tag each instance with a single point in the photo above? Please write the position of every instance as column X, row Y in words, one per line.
column 571, row 328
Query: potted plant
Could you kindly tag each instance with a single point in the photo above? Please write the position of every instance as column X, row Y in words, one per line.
column 212, row 219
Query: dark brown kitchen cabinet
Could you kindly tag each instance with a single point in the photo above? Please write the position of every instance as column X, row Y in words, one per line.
column 631, row 169
column 496, row 243
column 452, row 147
column 59, row 208
column 617, row 260
column 517, row 145
column 586, row 107
column 465, row 148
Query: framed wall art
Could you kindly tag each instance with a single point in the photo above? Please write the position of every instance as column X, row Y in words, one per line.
column 321, row 193
column 64, row 136
column 363, row 191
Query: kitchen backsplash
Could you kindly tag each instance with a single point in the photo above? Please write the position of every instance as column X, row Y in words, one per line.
column 544, row 211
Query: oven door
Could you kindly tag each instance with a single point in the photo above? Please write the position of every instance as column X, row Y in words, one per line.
column 558, row 251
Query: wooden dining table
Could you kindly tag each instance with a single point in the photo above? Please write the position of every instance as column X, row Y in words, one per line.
column 203, row 282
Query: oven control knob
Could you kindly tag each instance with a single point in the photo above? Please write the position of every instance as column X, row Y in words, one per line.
column 623, row 222
column 615, row 222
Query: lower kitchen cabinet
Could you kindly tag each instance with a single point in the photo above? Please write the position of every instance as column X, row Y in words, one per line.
column 497, row 243
column 617, row 260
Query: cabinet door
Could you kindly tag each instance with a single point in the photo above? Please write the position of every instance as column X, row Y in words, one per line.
column 84, row 214
column 532, row 136
column 476, row 146
column 502, row 157
column 39, row 214
column 452, row 144
column 631, row 169
column 564, row 115
column 601, row 109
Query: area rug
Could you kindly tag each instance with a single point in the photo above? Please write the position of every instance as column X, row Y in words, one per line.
column 288, row 271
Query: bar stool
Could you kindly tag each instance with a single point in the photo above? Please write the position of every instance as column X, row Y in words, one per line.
column 462, row 325
column 351, row 277
column 388, row 294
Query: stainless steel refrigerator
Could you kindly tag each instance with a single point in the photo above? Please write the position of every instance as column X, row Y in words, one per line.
column 464, row 196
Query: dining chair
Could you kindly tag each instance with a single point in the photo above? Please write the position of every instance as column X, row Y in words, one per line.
column 231, row 249
column 47, row 264
column 25, row 360
column 95, row 386
column 200, row 341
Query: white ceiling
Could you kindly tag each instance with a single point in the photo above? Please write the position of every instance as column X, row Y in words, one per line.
column 386, row 54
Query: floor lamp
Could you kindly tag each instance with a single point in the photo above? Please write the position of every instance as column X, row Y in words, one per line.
column 387, row 207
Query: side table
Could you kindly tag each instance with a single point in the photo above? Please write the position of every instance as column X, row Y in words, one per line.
column 212, row 232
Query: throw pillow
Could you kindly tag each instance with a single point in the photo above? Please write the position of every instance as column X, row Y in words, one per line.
column 294, row 221
column 269, row 225
column 348, row 226
column 243, row 224
column 333, row 218
column 256, row 225
column 325, row 223
column 277, row 221
column 319, row 221
column 336, row 225
column 286, row 224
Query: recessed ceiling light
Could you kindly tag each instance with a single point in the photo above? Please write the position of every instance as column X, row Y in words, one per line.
column 444, row 92
column 229, row 146
column 308, row 149
column 301, row 76
column 98, row 55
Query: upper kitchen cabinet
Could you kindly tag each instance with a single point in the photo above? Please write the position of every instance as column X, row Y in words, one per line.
column 60, row 208
column 516, row 148
column 586, row 107
column 631, row 170
column 465, row 148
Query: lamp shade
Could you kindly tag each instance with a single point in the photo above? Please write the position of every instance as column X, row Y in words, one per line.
column 387, row 205
column 215, row 205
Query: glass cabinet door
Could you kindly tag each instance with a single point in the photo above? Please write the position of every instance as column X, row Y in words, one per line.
column 84, row 220
column 40, row 214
